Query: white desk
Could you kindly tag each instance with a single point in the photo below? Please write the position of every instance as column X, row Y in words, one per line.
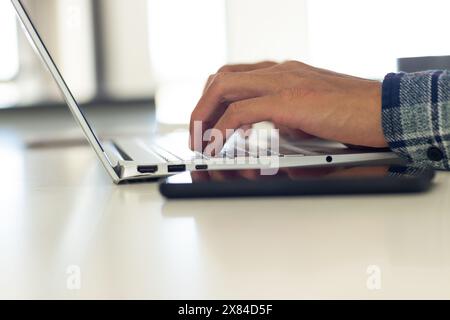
column 58, row 208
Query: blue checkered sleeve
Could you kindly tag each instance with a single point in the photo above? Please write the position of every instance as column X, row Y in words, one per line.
column 416, row 117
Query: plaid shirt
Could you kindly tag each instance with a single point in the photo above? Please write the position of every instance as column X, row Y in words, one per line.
column 416, row 117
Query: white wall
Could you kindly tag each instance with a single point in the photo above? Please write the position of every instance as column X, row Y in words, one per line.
column 267, row 30
column 128, row 69
column 348, row 36
column 75, row 47
column 365, row 38
column 8, row 37
column 66, row 29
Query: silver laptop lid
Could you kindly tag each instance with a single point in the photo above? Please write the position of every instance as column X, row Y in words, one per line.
column 36, row 35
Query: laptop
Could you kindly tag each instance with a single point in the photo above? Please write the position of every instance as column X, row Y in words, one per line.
column 140, row 159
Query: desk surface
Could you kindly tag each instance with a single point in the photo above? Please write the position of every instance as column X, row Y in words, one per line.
column 59, row 209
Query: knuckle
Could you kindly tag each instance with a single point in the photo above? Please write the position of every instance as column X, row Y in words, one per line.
column 266, row 64
column 292, row 94
column 210, row 78
column 294, row 64
column 219, row 80
column 291, row 63
column 226, row 68
column 222, row 75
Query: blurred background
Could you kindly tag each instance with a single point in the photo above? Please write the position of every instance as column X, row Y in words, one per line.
column 139, row 51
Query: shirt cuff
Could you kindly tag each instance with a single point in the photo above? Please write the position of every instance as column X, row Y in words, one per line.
column 415, row 118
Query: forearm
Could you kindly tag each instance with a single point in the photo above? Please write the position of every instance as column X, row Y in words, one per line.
column 416, row 117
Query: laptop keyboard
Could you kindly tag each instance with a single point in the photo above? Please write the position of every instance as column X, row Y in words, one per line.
column 171, row 151
column 229, row 151
column 177, row 154
column 284, row 150
column 173, row 148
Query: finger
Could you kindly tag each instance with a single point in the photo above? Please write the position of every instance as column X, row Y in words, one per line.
column 227, row 88
column 245, row 112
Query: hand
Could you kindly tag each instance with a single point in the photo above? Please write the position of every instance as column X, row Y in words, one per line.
column 294, row 96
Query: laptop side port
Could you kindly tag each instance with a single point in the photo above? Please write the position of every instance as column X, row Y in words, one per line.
column 201, row 167
column 176, row 168
column 147, row 169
